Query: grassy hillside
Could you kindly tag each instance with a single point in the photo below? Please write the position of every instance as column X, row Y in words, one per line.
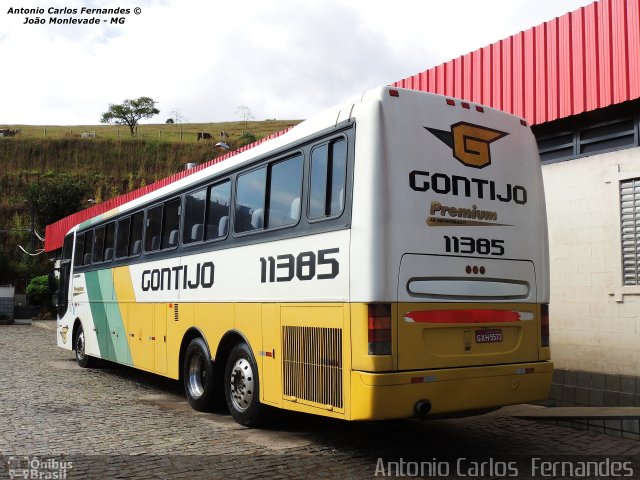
column 113, row 162
column 187, row 132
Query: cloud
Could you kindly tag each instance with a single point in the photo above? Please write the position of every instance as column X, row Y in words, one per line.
column 282, row 58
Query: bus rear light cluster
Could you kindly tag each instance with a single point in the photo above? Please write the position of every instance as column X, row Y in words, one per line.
column 544, row 325
column 379, row 329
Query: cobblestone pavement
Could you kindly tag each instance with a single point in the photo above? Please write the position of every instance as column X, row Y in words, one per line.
column 115, row 422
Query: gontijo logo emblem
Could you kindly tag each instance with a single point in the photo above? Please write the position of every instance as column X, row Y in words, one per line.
column 469, row 142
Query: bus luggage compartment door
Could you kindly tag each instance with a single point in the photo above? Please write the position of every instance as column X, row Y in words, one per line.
column 462, row 311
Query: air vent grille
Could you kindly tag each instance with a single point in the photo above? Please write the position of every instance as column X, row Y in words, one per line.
column 312, row 364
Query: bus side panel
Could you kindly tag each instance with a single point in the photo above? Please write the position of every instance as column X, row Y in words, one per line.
column 118, row 323
column 139, row 335
column 98, row 299
column 180, row 320
column 81, row 310
column 117, row 347
column 270, row 358
column 316, row 358
column 160, row 318
column 213, row 320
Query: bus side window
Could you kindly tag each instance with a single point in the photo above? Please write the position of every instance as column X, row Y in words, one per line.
column 108, row 242
column 98, row 248
column 285, row 188
column 154, row 226
column 328, row 176
column 218, row 211
column 79, row 250
column 170, row 224
column 194, row 207
column 135, row 235
column 88, row 244
column 249, row 208
column 122, row 238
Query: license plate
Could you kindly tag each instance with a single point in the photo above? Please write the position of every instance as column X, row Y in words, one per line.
column 489, row 335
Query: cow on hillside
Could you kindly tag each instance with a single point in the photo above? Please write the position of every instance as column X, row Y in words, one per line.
column 204, row 136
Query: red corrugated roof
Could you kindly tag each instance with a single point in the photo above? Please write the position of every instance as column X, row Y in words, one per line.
column 572, row 64
column 54, row 233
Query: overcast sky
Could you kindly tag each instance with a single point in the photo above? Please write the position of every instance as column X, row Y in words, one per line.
column 285, row 59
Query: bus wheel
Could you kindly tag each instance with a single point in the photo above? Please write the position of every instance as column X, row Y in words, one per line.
column 197, row 374
column 84, row 360
column 242, row 388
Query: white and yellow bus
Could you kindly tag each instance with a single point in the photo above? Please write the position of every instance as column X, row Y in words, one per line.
column 385, row 259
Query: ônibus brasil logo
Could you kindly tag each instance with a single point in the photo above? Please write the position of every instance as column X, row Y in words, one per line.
column 469, row 142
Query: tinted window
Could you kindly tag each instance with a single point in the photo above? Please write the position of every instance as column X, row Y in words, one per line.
column 194, row 208
column 154, row 226
column 328, row 176
column 122, row 239
column 67, row 248
column 88, row 241
column 218, row 211
column 77, row 254
column 108, row 241
column 249, row 207
column 98, row 248
column 135, row 235
column 170, row 224
column 284, row 192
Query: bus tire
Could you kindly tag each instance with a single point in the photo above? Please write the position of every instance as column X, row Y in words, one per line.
column 242, row 387
column 79, row 345
column 197, row 375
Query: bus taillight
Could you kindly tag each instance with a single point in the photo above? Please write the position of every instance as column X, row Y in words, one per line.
column 380, row 329
column 544, row 324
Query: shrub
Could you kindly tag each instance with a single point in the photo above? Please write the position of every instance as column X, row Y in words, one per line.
column 38, row 290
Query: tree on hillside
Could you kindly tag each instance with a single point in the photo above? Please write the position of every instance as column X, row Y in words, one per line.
column 177, row 116
column 245, row 113
column 130, row 112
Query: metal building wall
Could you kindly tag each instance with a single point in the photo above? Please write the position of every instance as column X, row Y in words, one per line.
column 575, row 63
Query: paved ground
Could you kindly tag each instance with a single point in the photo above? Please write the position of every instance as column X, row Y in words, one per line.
column 56, row 418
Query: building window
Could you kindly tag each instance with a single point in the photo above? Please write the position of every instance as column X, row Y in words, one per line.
column 604, row 130
column 630, row 230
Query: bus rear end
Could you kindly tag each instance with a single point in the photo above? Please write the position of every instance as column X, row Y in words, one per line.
column 450, row 309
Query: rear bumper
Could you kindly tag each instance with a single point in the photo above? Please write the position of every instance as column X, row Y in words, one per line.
column 381, row 396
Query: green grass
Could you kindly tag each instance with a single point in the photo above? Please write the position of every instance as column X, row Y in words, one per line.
column 186, row 132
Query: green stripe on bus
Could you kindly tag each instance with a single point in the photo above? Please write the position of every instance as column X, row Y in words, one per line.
column 98, row 313
column 120, row 346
